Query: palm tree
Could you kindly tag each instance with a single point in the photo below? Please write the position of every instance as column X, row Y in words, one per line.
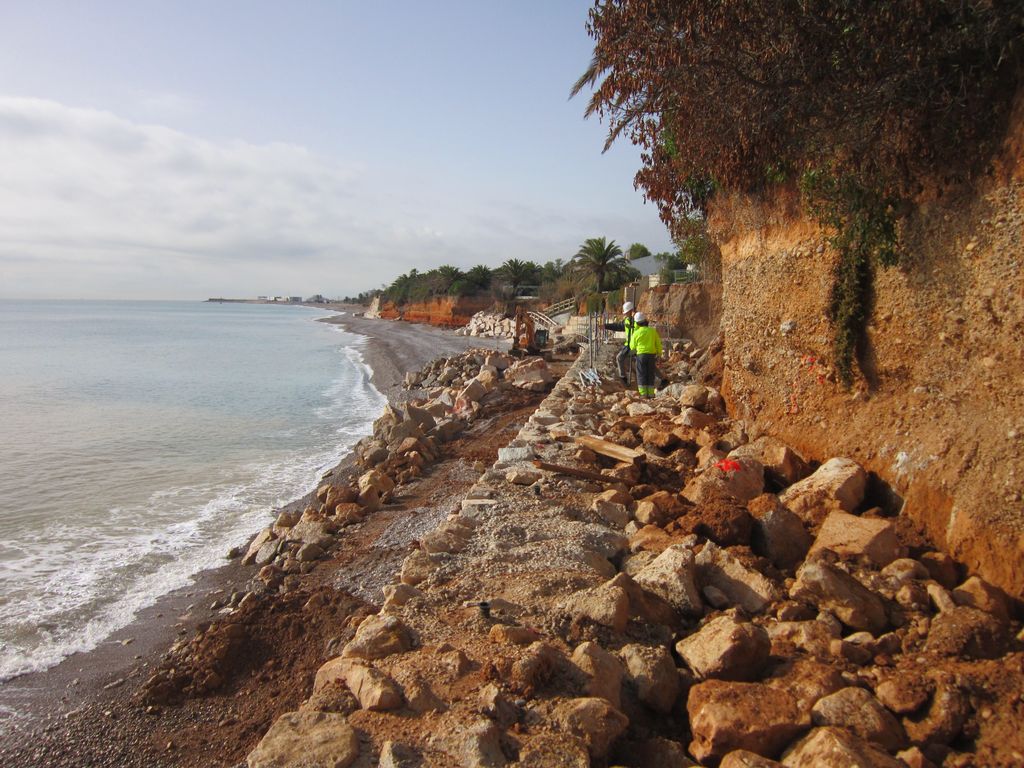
column 446, row 276
column 517, row 273
column 480, row 277
column 602, row 259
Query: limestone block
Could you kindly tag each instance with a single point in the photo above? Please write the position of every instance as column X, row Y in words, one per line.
column 967, row 632
column 594, row 721
column 835, row 590
column 836, row 748
column 726, row 716
column 670, row 576
column 742, row 758
column 311, row 739
column 807, row 681
column 744, row 586
column 742, row 479
column 853, row 536
column 839, row 483
column 978, row 593
column 726, row 648
column 614, row 514
column 603, row 670
column 379, row 636
column 606, row 604
column 782, row 464
column 651, row 671
column 861, row 713
column 778, row 534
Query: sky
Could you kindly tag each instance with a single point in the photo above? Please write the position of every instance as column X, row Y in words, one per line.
column 180, row 149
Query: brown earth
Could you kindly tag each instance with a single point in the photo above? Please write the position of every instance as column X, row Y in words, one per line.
column 938, row 414
column 443, row 311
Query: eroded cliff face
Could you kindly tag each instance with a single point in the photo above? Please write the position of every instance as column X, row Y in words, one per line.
column 692, row 311
column 444, row 312
column 939, row 414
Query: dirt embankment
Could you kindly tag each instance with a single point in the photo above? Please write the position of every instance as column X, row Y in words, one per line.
column 939, row 413
column 688, row 311
column 443, row 311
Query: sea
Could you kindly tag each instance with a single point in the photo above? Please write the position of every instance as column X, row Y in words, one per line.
column 139, row 441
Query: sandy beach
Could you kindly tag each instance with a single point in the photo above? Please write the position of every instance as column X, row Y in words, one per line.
column 85, row 711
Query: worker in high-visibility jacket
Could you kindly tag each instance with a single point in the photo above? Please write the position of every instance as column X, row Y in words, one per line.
column 646, row 344
column 627, row 325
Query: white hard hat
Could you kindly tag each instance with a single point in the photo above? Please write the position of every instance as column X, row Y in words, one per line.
column 639, row 317
column 627, row 306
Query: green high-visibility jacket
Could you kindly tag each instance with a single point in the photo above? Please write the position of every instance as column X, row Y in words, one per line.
column 645, row 340
column 629, row 326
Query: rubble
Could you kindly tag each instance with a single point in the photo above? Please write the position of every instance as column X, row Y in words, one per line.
column 535, row 624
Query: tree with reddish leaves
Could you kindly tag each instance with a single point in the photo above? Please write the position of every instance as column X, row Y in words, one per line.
column 741, row 93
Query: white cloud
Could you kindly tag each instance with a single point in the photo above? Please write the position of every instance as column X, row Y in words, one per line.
column 94, row 205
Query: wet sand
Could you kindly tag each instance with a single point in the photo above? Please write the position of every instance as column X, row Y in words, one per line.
column 84, row 705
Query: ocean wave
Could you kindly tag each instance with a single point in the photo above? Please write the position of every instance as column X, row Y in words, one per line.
column 73, row 584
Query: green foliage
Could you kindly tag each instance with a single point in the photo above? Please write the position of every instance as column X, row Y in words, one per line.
column 595, row 302
column 863, row 223
column 517, row 273
column 603, row 261
column 637, row 251
column 480, row 277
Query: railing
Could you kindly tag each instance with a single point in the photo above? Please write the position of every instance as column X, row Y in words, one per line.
column 542, row 319
column 566, row 305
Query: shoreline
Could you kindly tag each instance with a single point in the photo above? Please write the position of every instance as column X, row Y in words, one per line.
column 92, row 686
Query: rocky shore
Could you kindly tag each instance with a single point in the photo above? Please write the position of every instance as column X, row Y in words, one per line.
column 84, row 710
column 519, row 568
column 643, row 583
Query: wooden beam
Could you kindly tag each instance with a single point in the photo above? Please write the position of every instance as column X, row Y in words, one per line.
column 609, row 449
column 583, row 474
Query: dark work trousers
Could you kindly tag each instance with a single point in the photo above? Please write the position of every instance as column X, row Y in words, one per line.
column 622, row 362
column 646, row 365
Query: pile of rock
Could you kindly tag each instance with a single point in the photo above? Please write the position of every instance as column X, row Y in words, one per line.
column 406, row 439
column 674, row 592
column 489, row 324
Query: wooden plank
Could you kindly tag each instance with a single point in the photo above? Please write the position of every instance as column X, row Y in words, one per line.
column 609, row 449
column 583, row 474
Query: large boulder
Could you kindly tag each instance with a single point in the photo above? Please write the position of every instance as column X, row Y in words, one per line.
column 670, row 576
column 606, row 604
column 726, row 716
column 839, row 483
column 861, row 713
column 782, row 465
column 603, row 671
column 837, row 748
column 726, row 648
column 379, row 636
column 742, row 479
column 594, row 721
column 854, row 536
column 837, row 591
column 741, row 585
column 308, row 739
column 778, row 534
column 651, row 671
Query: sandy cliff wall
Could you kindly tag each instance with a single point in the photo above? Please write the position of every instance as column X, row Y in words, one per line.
column 692, row 311
column 941, row 415
column 444, row 311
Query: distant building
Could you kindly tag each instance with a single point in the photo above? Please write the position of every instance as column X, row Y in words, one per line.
column 316, row 299
column 295, row 299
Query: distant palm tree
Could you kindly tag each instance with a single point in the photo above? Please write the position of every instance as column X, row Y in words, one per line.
column 447, row 276
column 602, row 259
column 518, row 273
column 480, row 277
